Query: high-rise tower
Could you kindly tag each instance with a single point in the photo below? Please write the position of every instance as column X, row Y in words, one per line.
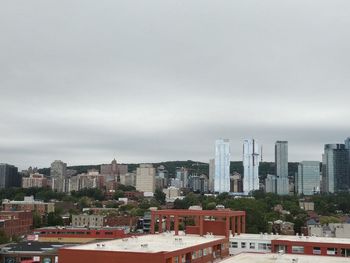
column 251, row 165
column 281, row 163
column 335, row 168
column 222, row 166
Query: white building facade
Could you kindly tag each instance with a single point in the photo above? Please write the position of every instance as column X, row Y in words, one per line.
column 222, row 166
column 251, row 165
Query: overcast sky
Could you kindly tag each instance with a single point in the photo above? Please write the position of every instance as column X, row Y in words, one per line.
column 147, row 81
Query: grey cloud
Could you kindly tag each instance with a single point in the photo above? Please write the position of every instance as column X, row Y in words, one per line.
column 159, row 80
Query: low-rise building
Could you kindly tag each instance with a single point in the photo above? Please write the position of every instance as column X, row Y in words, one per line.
column 338, row 230
column 86, row 220
column 16, row 223
column 161, row 248
column 275, row 258
column 32, row 251
column 78, row 234
column 306, row 245
column 29, row 204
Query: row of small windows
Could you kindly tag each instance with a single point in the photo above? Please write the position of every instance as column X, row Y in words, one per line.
column 196, row 254
column 252, row 245
column 73, row 233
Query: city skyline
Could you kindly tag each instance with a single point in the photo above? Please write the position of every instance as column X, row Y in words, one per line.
column 112, row 80
column 240, row 158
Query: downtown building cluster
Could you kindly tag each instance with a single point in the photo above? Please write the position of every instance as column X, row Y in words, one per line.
column 329, row 176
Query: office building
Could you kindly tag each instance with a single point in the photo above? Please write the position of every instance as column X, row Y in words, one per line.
column 9, row 176
column 281, row 158
column 281, row 163
column 251, row 166
column 335, row 168
column 222, row 166
column 308, row 178
column 145, row 178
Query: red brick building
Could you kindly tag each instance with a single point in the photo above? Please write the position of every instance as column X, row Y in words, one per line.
column 218, row 222
column 194, row 245
column 16, row 223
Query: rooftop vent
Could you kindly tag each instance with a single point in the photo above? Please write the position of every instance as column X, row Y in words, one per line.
column 144, row 245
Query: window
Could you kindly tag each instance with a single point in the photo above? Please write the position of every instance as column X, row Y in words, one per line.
column 199, row 253
column 331, row 251
column 298, row 249
column 183, row 259
column 205, row 252
column 194, row 255
column 234, row 244
column 176, row 259
column 316, row 251
column 210, row 250
column 252, row 245
column 262, row 246
column 243, row 245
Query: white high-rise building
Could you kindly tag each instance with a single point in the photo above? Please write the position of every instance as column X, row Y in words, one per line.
column 222, row 166
column 251, row 166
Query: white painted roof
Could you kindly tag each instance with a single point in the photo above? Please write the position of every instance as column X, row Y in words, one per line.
column 269, row 237
column 286, row 258
column 149, row 243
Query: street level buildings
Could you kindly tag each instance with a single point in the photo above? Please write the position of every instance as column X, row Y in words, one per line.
column 222, row 166
column 251, row 166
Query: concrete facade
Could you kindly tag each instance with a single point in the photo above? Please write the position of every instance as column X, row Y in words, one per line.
column 145, row 178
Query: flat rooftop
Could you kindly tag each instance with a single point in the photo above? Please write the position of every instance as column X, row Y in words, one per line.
column 269, row 237
column 33, row 247
column 150, row 243
column 286, row 258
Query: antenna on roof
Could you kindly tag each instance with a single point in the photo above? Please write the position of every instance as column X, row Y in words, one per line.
column 261, row 151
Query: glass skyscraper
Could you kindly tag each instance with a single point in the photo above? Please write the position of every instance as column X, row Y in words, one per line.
column 335, row 168
column 251, row 165
column 281, row 162
column 222, row 166
column 308, row 179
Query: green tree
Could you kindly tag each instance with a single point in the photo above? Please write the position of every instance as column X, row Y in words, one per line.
column 160, row 196
column 3, row 238
column 54, row 219
column 37, row 220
